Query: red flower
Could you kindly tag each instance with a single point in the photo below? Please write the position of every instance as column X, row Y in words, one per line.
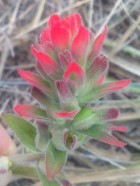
column 72, row 70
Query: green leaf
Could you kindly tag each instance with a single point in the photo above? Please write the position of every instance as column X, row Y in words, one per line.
column 49, row 103
column 98, row 132
column 84, row 119
column 31, row 111
column 55, row 160
column 43, row 136
column 82, row 138
column 40, row 97
column 94, row 93
column 95, row 131
column 63, row 179
column 24, row 130
column 57, row 139
column 69, row 139
column 45, row 181
column 100, row 91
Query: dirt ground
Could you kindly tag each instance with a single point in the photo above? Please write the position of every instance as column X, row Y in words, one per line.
column 20, row 24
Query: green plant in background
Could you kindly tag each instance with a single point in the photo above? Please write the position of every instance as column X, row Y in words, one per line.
column 71, row 70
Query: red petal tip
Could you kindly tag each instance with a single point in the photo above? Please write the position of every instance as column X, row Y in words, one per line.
column 66, row 114
column 119, row 128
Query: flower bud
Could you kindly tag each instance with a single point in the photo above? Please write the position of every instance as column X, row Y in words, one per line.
column 5, row 164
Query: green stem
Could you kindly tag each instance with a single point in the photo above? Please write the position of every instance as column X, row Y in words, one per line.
column 25, row 171
column 23, row 165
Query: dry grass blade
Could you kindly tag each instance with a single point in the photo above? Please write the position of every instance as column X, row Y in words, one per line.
column 39, row 12
column 122, row 66
column 129, row 174
column 105, row 175
column 129, row 117
column 108, row 153
column 124, row 37
column 129, row 141
column 128, row 14
column 32, row 27
column 110, row 15
column 4, row 57
column 91, row 11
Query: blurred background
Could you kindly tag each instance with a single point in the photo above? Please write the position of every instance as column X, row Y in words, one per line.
column 94, row 164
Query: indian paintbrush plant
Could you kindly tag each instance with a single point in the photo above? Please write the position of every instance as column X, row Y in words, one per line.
column 70, row 75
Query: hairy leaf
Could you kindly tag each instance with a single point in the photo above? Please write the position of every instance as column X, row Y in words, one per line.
column 35, row 80
column 47, row 63
column 45, row 181
column 103, row 90
column 43, row 136
column 57, row 136
column 99, row 133
column 97, row 68
column 84, row 118
column 55, row 160
column 24, row 130
column 69, row 140
column 98, row 43
column 30, row 111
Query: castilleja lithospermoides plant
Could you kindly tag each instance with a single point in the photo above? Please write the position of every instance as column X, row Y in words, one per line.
column 70, row 74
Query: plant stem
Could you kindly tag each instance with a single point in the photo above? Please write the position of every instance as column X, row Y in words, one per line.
column 25, row 171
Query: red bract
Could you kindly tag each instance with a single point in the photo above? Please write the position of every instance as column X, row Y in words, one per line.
column 71, row 73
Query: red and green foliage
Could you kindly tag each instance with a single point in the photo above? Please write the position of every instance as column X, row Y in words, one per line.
column 71, row 71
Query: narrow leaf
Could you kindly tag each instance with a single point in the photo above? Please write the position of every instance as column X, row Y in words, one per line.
column 40, row 97
column 98, row 67
column 47, row 63
column 119, row 128
column 57, row 136
column 64, row 180
column 98, row 133
column 45, row 181
column 65, row 58
column 48, row 103
column 43, row 136
column 65, row 95
column 55, row 160
column 111, row 140
column 103, row 90
column 30, row 111
column 117, row 85
column 100, row 80
column 88, row 117
column 84, row 119
column 23, row 129
column 63, row 90
column 35, row 80
column 98, row 43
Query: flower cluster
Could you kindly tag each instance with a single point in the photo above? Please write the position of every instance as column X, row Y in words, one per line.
column 71, row 71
